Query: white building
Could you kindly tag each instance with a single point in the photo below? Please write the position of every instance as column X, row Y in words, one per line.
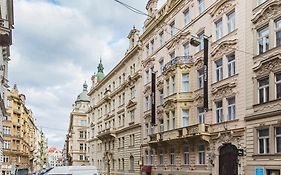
column 55, row 157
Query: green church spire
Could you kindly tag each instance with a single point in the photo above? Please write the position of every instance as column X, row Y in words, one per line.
column 100, row 74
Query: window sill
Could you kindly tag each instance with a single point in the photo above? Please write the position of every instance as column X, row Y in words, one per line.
column 269, row 156
column 224, row 122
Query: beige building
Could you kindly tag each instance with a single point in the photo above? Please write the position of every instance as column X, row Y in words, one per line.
column 6, row 26
column 115, row 121
column 77, row 131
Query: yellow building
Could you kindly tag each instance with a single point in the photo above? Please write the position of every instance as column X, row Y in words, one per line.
column 19, row 132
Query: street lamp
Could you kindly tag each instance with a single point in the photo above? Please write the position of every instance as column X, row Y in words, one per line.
column 195, row 41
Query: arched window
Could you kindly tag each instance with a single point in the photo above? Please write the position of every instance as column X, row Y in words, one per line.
column 132, row 163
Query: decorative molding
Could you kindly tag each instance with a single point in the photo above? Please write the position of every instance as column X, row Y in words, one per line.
column 223, row 48
column 199, row 64
column 147, row 62
column 224, row 90
column 223, row 6
column 131, row 104
column 159, row 113
column 177, row 40
column 159, row 83
column 268, row 107
column 198, row 98
column 269, row 65
column 169, row 105
column 270, row 11
column 147, row 89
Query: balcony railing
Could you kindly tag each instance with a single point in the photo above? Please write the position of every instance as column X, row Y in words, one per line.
column 106, row 133
column 179, row 60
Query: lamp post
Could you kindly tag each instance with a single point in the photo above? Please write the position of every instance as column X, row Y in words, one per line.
column 194, row 41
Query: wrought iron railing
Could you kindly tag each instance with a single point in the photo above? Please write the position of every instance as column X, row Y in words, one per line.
column 177, row 61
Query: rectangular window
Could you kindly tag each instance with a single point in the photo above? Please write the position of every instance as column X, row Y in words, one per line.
column 185, row 117
column 161, row 96
column 133, row 92
column 278, row 139
column 201, row 151
column 167, row 87
column 219, row 70
column 263, row 141
column 161, row 125
column 147, row 103
column 6, row 145
column 161, row 63
column 218, row 29
column 201, row 38
column 201, row 115
column 185, row 83
column 172, row 155
column 172, row 55
column 186, row 50
column 147, row 76
column 168, row 121
column 161, row 38
column 278, row 85
column 185, row 155
column 147, row 50
column 173, row 119
column 231, row 108
column 278, row 32
column 231, row 21
column 263, row 40
column 272, row 172
column 231, row 65
column 186, row 16
column 172, row 26
column 6, row 130
column 152, row 46
column 173, row 84
column 161, row 157
column 201, row 5
column 200, row 78
column 219, row 112
column 83, row 122
column 264, row 90
column 132, row 115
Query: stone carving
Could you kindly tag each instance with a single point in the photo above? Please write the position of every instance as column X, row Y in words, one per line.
column 147, row 62
column 131, row 104
column 223, row 91
column 199, row 63
column 178, row 40
column 271, row 106
column 222, row 7
column 223, row 48
column 159, row 84
column 198, row 99
column 269, row 65
column 147, row 90
column 169, row 105
column 270, row 11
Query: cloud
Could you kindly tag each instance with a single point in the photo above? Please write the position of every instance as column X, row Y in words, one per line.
column 56, row 47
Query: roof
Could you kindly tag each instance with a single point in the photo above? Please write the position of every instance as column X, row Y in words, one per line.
column 83, row 96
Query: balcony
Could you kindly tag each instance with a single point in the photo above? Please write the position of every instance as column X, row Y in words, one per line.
column 199, row 130
column 106, row 134
column 177, row 61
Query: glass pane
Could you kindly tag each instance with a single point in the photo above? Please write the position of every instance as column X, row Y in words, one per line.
column 278, row 131
column 263, row 82
column 278, row 38
column 261, row 146
column 278, row 145
column 263, row 132
column 201, row 148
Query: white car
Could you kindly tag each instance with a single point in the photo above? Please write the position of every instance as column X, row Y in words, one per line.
column 74, row 170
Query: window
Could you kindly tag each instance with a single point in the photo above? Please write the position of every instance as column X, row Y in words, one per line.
column 231, row 65
column 146, row 157
column 219, row 72
column 161, row 36
column 132, row 162
column 263, row 143
column 201, row 151
column 173, row 85
column 259, row 2
column 272, row 172
column 200, row 78
column 278, row 32
column 161, row 125
column 168, row 121
column 147, row 50
column 185, row 83
column 278, row 85
column 161, row 96
column 7, row 145
column 5, row 158
column 173, row 119
column 146, row 129
column 231, row 108
column 161, row 63
column 201, row 115
column 123, row 98
column 147, row 103
column 218, row 29
column 81, row 146
column 172, row 155
column 147, row 76
column 151, row 157
column 132, row 115
column 152, row 46
column 172, row 26
column 167, row 87
column 161, row 158
column 186, row 16
column 185, row 117
column 201, row 38
column 231, row 21
column 264, row 90
column 6, row 130
column 185, row 155
column 186, row 50
column 219, row 112
column 263, row 40
column 278, row 139
column 201, row 5
column 133, row 92
column 172, row 55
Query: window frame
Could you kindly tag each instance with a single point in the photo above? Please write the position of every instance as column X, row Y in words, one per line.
column 219, row 29
column 231, row 108
column 201, row 155
column 185, row 118
column 185, row 82
column 277, row 85
column 265, row 141
column 201, row 6
column 265, row 89
column 219, row 69
column 263, row 37
column 231, row 61
column 231, row 21
column 219, row 112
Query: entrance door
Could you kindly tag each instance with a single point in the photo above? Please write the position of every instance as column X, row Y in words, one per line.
column 228, row 160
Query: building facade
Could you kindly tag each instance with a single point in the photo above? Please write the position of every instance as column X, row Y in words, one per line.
column 115, row 120
column 77, row 132
column 55, row 157
column 6, row 26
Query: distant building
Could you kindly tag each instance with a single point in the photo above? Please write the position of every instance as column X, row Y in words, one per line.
column 55, row 157
column 77, row 131
column 6, row 26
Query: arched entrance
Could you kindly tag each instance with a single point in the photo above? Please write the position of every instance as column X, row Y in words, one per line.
column 228, row 160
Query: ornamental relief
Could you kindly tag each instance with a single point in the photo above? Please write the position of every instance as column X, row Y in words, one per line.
column 199, row 64
column 170, row 71
column 198, row 99
column 271, row 11
column 268, row 107
column 222, row 7
column 147, row 90
column 148, row 62
column 159, row 84
column 223, row 48
column 271, row 65
column 169, row 105
column 223, row 91
column 177, row 40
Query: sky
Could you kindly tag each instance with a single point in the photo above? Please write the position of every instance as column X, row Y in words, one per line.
column 56, row 47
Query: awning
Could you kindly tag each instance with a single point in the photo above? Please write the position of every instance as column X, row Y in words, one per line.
column 147, row 168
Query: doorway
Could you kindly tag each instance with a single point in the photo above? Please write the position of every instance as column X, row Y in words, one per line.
column 228, row 160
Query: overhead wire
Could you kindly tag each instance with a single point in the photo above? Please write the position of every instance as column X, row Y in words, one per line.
column 135, row 10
